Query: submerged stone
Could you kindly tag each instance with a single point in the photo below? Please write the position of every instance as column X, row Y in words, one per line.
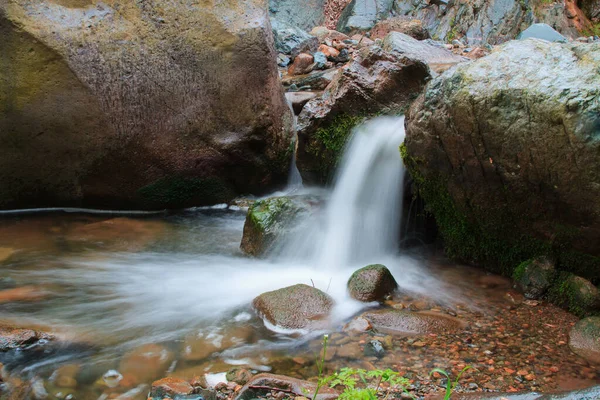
column 170, row 387
column 14, row 338
column 372, row 283
column 144, row 364
column 407, row 322
column 295, row 307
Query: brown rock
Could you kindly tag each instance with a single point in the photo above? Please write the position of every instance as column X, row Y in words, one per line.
column 23, row 293
column 144, row 364
column 371, row 283
column 201, row 346
column 170, row 387
column 5, row 253
column 105, row 126
column 324, row 34
column 406, row 322
column 329, row 52
column 264, row 383
column 358, row 324
column 12, row 338
column 409, row 26
column 118, row 233
column 302, row 65
column 65, row 376
column 295, row 307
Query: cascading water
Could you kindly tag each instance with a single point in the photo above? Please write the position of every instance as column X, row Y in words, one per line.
column 295, row 179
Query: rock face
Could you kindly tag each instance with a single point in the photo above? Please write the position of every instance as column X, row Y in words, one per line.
column 506, row 153
column 305, row 15
column 591, row 8
column 491, row 21
column 265, row 383
column 584, row 339
column 131, row 105
column 362, row 15
column 534, row 277
column 294, row 307
column 409, row 26
column 374, row 81
column 372, row 283
column 273, row 219
column 438, row 58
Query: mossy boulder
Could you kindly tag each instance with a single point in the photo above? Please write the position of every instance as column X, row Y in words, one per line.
column 576, row 294
column 584, row 339
column 534, row 277
column 137, row 105
column 372, row 283
column 508, row 160
column 295, row 307
column 374, row 82
column 271, row 221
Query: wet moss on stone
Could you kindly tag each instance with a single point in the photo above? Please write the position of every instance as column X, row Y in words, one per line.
column 179, row 192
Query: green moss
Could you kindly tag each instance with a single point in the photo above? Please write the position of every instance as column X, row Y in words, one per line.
column 574, row 293
column 520, row 270
column 327, row 144
column 179, row 192
column 265, row 213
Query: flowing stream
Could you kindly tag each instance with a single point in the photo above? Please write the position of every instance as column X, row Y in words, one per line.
column 107, row 284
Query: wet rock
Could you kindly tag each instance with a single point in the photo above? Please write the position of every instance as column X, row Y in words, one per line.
column 14, row 338
column 117, row 233
column 320, row 60
column 170, row 387
column 202, row 345
column 299, row 99
column 409, row 26
column 216, row 126
column 330, row 52
column 303, row 64
column 542, row 31
column 374, row 348
column 306, row 16
column 264, row 383
column 143, row 364
column 437, row 57
column 361, row 15
column 534, row 277
column 374, row 81
column 351, row 350
column 65, row 376
column 584, row 339
column 372, row 283
column 271, row 220
column 406, row 322
column 294, row 307
column 575, row 293
column 292, row 40
column 452, row 124
column 239, row 375
column 316, row 80
column 358, row 324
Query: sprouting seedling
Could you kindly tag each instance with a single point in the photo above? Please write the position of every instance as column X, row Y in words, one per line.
column 450, row 386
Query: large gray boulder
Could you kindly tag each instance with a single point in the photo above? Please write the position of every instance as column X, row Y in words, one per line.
column 304, row 14
column 138, row 104
column 292, row 40
column 506, row 153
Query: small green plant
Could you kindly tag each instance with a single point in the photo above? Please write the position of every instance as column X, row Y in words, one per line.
column 372, row 380
column 450, row 385
column 321, row 367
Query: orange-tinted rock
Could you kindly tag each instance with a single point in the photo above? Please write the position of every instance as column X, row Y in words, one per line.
column 170, row 387
column 329, row 52
column 406, row 322
column 144, row 364
column 201, row 346
column 408, row 26
column 65, row 376
column 303, row 64
column 11, row 338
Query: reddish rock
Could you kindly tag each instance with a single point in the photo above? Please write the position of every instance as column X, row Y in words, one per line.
column 12, row 338
column 144, row 364
column 329, row 52
column 303, row 64
column 265, row 383
column 170, row 387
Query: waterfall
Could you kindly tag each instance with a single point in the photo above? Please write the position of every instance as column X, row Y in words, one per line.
column 361, row 222
column 294, row 179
